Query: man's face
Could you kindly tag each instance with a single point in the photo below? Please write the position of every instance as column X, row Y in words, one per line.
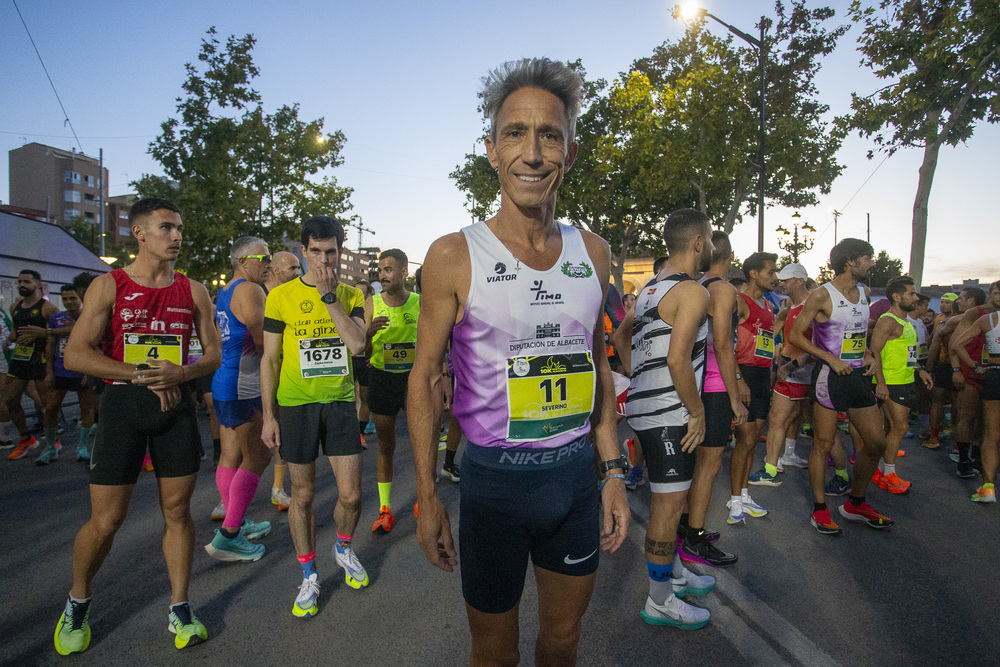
column 27, row 285
column 285, row 266
column 860, row 267
column 928, row 317
column 71, row 302
column 323, row 252
column 947, row 307
column 160, row 233
column 391, row 274
column 532, row 151
column 920, row 310
column 707, row 249
column 908, row 300
column 767, row 278
column 790, row 285
column 964, row 301
column 995, row 297
column 257, row 270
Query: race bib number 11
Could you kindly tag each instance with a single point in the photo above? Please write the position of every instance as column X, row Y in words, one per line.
column 548, row 395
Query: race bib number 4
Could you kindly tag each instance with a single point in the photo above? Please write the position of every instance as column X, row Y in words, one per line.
column 853, row 346
column 548, row 395
column 319, row 357
column 398, row 357
column 140, row 347
column 765, row 344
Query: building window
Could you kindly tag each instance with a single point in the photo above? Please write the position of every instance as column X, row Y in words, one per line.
column 122, row 215
column 123, row 231
column 71, row 196
column 90, row 180
column 72, row 177
column 70, row 213
column 89, row 216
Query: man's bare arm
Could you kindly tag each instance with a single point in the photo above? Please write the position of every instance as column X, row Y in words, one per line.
column 83, row 347
column 685, row 308
column 815, row 304
column 964, row 335
column 722, row 299
column 621, row 338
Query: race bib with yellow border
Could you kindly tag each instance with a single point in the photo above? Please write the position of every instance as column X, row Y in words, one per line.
column 853, row 346
column 140, row 347
column 765, row 344
column 398, row 357
column 549, row 394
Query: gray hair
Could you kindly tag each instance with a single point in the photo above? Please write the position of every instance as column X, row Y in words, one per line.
column 241, row 246
column 551, row 76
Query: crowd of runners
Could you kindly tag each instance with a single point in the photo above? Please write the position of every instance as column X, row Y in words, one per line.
column 509, row 338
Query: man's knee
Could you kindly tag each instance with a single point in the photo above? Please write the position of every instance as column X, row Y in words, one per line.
column 107, row 522
column 349, row 500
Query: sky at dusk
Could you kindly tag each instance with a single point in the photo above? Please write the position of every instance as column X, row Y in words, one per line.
column 400, row 80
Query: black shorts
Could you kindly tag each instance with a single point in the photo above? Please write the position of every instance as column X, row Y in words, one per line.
column 304, row 428
column 131, row 421
column 236, row 413
column 670, row 468
column 505, row 516
column 842, row 392
column 204, row 383
column 904, row 394
column 718, row 418
column 758, row 379
column 60, row 383
column 361, row 367
column 942, row 376
column 386, row 391
column 991, row 384
column 26, row 370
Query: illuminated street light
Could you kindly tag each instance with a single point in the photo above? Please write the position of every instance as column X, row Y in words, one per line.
column 789, row 242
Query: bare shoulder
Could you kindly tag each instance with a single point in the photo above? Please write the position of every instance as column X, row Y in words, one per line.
column 690, row 290
column 446, row 254
column 101, row 293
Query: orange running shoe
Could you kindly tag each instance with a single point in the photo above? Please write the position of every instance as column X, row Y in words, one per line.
column 385, row 520
column 985, row 494
column 893, row 483
column 364, row 445
column 932, row 442
column 415, row 509
column 22, row 448
column 900, row 453
column 877, row 478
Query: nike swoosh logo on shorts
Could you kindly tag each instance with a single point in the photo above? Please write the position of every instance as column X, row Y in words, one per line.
column 574, row 561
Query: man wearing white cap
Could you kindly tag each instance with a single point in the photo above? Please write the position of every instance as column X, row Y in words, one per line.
column 792, row 388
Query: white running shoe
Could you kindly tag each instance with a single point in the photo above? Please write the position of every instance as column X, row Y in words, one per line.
column 280, row 499
column 735, row 512
column 793, row 460
column 219, row 513
column 752, row 508
column 354, row 573
column 685, row 582
column 675, row 613
column 305, row 601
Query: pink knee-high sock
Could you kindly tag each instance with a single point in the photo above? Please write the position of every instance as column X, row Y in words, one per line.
column 224, row 480
column 240, row 494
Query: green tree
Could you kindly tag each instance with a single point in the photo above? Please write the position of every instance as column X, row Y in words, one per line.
column 885, row 269
column 939, row 59
column 234, row 169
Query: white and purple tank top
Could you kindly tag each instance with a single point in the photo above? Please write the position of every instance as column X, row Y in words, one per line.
column 845, row 334
column 523, row 352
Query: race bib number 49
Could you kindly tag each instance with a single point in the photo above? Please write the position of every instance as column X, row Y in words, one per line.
column 140, row 347
column 853, row 346
column 320, row 357
column 548, row 395
column 398, row 357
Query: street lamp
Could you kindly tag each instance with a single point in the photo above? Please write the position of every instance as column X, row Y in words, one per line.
column 690, row 12
column 789, row 241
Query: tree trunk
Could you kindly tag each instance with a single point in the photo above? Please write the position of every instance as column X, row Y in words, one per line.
column 739, row 195
column 918, row 241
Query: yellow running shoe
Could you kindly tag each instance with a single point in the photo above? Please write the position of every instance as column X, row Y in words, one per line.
column 73, row 631
column 305, row 603
column 188, row 630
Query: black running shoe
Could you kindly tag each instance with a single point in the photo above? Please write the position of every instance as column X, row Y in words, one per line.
column 707, row 553
column 682, row 534
column 965, row 469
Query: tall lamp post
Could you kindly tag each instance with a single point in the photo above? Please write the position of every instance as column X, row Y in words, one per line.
column 789, row 241
column 692, row 12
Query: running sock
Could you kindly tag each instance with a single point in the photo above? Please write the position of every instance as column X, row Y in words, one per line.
column 241, row 492
column 888, row 469
column 85, row 436
column 50, row 437
column 935, row 432
column 856, row 500
column 963, row 451
column 976, row 452
column 449, row 458
column 819, row 507
column 659, row 582
column 308, row 563
column 343, row 542
column 770, row 469
column 735, row 499
column 744, row 492
column 842, row 474
column 881, row 466
column 384, row 489
column 685, row 520
column 224, row 480
column 789, row 446
column 279, row 476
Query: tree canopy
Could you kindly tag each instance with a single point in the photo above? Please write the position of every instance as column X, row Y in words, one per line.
column 234, row 169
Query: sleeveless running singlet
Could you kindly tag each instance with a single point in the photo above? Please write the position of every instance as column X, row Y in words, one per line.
column 34, row 352
column 921, row 329
column 802, row 374
column 522, row 352
column 713, row 378
column 652, row 400
column 394, row 348
column 977, row 346
column 993, row 339
column 148, row 322
column 845, row 334
column 899, row 355
column 755, row 335
column 238, row 376
column 58, row 321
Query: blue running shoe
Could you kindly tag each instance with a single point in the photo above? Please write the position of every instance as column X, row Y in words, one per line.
column 230, row 549
column 762, row 478
column 253, row 531
column 637, row 477
column 837, row 486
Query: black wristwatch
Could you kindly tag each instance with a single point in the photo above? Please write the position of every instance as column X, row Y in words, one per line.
column 620, row 462
column 329, row 297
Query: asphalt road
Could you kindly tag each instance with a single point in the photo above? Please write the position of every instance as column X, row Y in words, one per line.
column 922, row 593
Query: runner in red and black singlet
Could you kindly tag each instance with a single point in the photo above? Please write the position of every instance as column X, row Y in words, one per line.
column 142, row 316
